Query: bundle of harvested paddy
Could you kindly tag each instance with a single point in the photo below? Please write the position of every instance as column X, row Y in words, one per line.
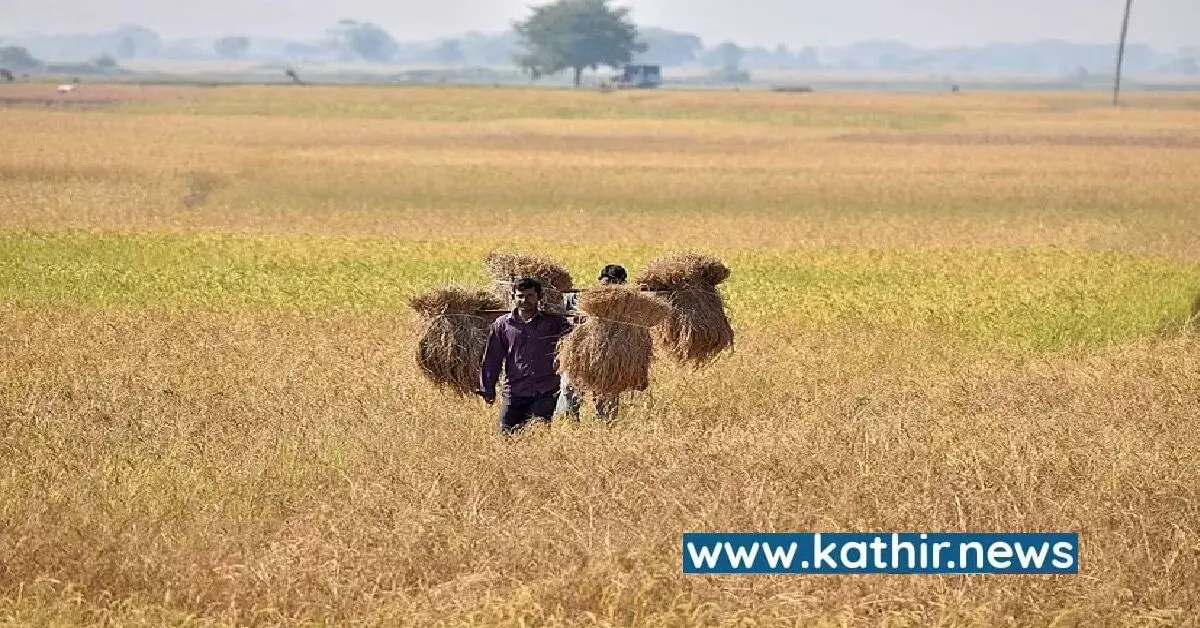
column 452, row 335
column 611, row 350
column 506, row 268
column 697, row 330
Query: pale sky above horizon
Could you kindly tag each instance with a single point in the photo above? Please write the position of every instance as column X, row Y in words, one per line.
column 1164, row 24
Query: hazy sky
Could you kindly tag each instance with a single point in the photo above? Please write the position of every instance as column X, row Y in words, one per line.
column 1167, row 24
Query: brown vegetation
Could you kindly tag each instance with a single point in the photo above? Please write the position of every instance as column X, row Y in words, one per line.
column 697, row 330
column 506, row 269
column 213, row 416
column 452, row 335
column 610, row 352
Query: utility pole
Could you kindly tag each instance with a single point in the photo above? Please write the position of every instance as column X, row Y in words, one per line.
column 1121, row 52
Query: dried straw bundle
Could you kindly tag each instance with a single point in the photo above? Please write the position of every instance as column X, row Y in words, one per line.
column 611, row 350
column 452, row 335
column 453, row 300
column 507, row 268
column 697, row 330
column 623, row 304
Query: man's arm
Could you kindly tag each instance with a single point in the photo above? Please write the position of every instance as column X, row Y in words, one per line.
column 493, row 362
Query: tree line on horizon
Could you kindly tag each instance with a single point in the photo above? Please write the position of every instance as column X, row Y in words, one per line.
column 571, row 36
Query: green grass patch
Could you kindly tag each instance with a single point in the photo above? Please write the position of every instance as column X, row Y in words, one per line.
column 1024, row 299
column 1027, row 300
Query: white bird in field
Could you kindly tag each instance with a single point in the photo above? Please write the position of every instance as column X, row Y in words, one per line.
column 67, row 87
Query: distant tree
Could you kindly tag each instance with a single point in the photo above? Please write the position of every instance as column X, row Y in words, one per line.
column 18, row 57
column 6, row 75
column 136, row 40
column 763, row 57
column 1187, row 61
column 669, row 48
column 448, row 52
column 364, row 40
column 105, row 62
column 577, row 34
column 127, row 48
column 232, row 47
column 809, row 59
column 727, row 56
column 782, row 56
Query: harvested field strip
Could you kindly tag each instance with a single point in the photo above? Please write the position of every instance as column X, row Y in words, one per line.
column 61, row 103
column 1028, row 139
column 480, row 104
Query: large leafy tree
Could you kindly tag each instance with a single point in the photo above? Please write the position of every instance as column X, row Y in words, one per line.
column 577, row 34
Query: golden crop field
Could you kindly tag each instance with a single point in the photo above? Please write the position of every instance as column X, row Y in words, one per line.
column 954, row 312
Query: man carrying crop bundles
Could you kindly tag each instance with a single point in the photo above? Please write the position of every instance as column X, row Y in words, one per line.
column 523, row 345
column 569, row 401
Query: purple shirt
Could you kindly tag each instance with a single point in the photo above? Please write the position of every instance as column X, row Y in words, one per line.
column 526, row 351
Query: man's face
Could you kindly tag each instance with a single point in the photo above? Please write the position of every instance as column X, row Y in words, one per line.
column 526, row 300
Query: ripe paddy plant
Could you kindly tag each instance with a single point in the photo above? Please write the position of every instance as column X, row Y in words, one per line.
column 954, row 312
